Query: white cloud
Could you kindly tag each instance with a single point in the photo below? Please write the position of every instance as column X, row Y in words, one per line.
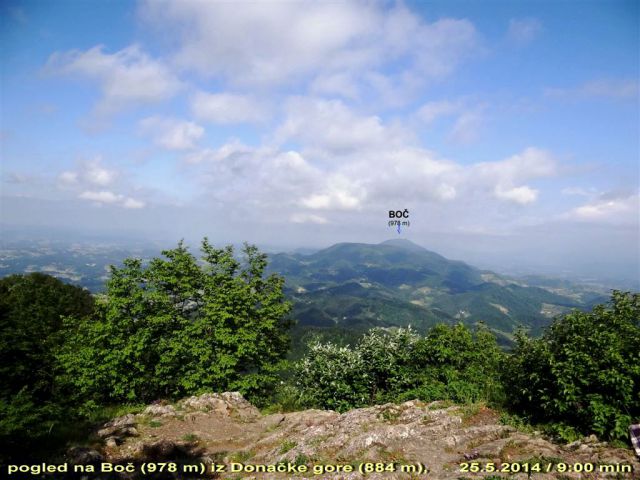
column 68, row 177
column 95, row 182
column 610, row 208
column 604, row 88
column 530, row 164
column 171, row 133
column 522, row 195
column 127, row 77
column 332, row 126
column 523, row 30
column 101, row 197
column 290, row 41
column 431, row 111
column 90, row 173
column 308, row 218
column 110, row 198
column 227, row 108
column 287, row 38
column 507, row 174
column 230, row 149
column 341, row 84
column 340, row 193
column 94, row 173
column 132, row 203
column 466, row 128
column 577, row 191
column 611, row 88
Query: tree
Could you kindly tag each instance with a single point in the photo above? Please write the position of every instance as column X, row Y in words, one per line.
column 178, row 326
column 31, row 310
column 584, row 372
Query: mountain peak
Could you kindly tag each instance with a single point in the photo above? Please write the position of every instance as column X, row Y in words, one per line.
column 403, row 243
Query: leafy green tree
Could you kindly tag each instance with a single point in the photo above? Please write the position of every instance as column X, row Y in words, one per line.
column 31, row 311
column 583, row 374
column 178, row 326
column 459, row 364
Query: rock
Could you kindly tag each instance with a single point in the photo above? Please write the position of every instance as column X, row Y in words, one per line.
column 226, row 404
column 111, row 442
column 230, row 429
column 83, row 455
column 160, row 411
column 273, row 421
column 115, row 431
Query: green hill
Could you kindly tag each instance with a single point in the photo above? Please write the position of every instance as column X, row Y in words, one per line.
column 355, row 286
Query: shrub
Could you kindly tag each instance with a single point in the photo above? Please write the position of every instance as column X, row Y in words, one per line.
column 449, row 363
column 584, row 373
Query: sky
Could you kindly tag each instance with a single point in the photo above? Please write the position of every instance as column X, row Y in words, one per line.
column 508, row 130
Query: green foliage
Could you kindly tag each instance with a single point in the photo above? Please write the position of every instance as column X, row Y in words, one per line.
column 287, row 445
column 31, row 307
column 583, row 374
column 179, row 327
column 451, row 362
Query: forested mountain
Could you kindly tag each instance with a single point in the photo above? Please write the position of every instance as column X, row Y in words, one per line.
column 345, row 289
column 351, row 287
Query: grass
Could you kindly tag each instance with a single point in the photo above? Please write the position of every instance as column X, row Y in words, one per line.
column 441, row 404
column 519, row 423
column 155, row 423
column 468, row 411
column 287, row 445
column 301, row 459
column 390, row 415
column 108, row 412
column 242, row 456
column 511, row 449
column 427, row 420
column 314, row 442
column 391, row 456
column 190, row 437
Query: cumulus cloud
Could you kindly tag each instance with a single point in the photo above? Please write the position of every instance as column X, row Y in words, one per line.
column 95, row 173
column 523, row 30
column 68, row 177
column 227, row 108
column 307, row 218
column 609, row 208
column 521, row 195
column 95, row 182
column 127, row 77
column 341, row 84
column 332, row 126
column 89, row 173
column 338, row 193
column 507, row 175
column 109, row 198
column 171, row 133
column 294, row 40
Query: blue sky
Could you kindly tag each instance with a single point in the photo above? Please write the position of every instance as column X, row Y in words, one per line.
column 508, row 129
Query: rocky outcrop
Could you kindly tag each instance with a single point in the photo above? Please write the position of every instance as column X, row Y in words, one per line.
column 226, row 430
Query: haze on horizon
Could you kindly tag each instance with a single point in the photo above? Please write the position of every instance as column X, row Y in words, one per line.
column 509, row 130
